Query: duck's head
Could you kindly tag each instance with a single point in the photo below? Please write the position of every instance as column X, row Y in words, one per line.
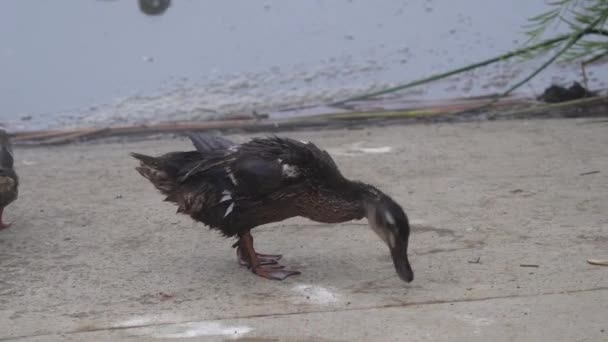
column 390, row 222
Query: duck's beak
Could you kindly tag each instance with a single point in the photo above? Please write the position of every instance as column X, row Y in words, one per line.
column 400, row 260
column 398, row 247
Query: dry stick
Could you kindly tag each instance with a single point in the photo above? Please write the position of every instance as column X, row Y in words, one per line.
column 322, row 121
column 598, row 262
column 70, row 136
column 38, row 135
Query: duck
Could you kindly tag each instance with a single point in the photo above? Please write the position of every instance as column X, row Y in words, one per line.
column 234, row 188
column 9, row 181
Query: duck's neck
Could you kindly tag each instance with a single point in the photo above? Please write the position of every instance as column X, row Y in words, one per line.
column 367, row 194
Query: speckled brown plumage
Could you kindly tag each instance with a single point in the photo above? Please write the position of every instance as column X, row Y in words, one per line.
column 235, row 188
column 9, row 182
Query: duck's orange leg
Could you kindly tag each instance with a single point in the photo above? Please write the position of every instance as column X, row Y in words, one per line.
column 2, row 224
column 264, row 265
column 264, row 259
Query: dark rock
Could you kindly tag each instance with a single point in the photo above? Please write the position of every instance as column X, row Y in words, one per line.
column 556, row 93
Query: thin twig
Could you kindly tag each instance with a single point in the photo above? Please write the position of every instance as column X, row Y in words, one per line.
column 573, row 39
column 453, row 72
column 503, row 57
column 589, row 61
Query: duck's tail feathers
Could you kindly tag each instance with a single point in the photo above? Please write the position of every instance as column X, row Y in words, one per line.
column 155, row 170
column 144, row 159
column 6, row 151
column 206, row 143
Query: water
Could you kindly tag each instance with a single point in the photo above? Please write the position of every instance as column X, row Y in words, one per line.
column 97, row 63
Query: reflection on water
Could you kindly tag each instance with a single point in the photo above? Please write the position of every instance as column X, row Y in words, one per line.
column 78, row 62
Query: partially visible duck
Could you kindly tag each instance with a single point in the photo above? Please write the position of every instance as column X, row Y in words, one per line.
column 235, row 188
column 9, row 182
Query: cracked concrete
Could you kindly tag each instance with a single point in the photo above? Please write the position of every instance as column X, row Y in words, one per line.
column 95, row 255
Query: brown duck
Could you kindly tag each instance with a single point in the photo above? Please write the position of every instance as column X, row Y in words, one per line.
column 235, row 188
column 9, row 182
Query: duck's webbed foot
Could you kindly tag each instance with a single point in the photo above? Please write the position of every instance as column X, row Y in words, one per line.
column 275, row 272
column 264, row 265
column 264, row 259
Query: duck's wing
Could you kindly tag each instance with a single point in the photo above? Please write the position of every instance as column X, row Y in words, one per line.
column 263, row 166
column 253, row 169
column 206, row 143
column 255, row 175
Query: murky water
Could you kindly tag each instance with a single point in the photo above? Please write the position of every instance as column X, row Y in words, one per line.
column 93, row 62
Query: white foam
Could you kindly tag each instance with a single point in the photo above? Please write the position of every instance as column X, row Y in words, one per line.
column 383, row 149
column 146, row 320
column 196, row 329
column 357, row 149
column 477, row 322
column 136, row 322
column 419, row 222
column 315, row 294
column 144, row 326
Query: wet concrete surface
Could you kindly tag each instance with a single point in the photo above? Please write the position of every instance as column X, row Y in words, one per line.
column 94, row 254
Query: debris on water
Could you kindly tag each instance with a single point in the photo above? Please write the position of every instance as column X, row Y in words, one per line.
column 357, row 149
column 522, row 192
column 383, row 149
column 316, row 294
column 598, row 262
column 556, row 93
column 164, row 296
column 475, row 261
column 259, row 115
column 589, row 173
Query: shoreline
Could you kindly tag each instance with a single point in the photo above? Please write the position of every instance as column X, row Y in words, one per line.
column 450, row 111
